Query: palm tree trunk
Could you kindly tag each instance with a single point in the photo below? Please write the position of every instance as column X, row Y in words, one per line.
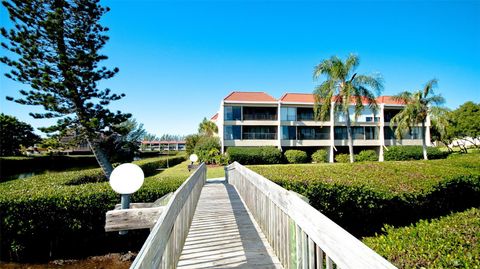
column 424, row 143
column 101, row 157
column 349, row 136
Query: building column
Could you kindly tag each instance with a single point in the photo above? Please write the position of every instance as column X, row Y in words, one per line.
column 382, row 133
column 279, row 126
column 427, row 131
column 220, row 123
column 331, row 155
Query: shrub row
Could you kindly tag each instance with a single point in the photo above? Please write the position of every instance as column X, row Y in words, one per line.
column 254, row 155
column 362, row 197
column 405, row 153
column 17, row 165
column 447, row 242
column 61, row 215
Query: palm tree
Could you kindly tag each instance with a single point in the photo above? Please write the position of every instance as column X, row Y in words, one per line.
column 418, row 105
column 344, row 87
column 208, row 128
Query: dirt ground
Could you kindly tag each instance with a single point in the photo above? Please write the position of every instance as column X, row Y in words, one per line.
column 109, row 261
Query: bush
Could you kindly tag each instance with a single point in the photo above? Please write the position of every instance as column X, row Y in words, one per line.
column 362, row 197
column 207, row 148
column 296, row 156
column 254, row 155
column 62, row 215
column 320, row 156
column 405, row 153
column 366, row 156
column 18, row 165
column 447, row 242
column 342, row 158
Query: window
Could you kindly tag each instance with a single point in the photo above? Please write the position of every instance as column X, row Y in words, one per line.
column 232, row 132
column 233, row 113
column 289, row 113
column 305, row 114
column 371, row 133
column 289, row 133
column 313, row 133
column 340, row 132
column 358, row 133
column 368, row 119
column 389, row 133
column 259, row 132
column 259, row 113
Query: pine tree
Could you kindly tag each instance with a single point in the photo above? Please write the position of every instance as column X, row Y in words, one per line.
column 56, row 48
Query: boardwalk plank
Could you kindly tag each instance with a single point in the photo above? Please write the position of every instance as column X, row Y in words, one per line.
column 224, row 235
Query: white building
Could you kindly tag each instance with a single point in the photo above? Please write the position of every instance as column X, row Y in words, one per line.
column 248, row 119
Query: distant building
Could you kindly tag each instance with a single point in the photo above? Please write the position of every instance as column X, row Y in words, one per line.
column 257, row 119
column 162, row 146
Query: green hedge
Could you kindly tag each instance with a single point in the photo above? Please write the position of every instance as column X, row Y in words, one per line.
column 61, row 215
column 320, row 156
column 296, row 156
column 254, row 155
column 366, row 156
column 342, row 158
column 17, row 165
column 448, row 242
column 405, row 153
column 361, row 197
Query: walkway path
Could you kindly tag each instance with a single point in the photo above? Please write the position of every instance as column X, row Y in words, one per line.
column 224, row 234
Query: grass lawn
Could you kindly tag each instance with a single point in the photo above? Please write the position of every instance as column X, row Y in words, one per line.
column 181, row 170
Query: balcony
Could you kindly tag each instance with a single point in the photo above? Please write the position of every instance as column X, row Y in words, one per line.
column 258, row 116
column 260, row 113
column 259, row 136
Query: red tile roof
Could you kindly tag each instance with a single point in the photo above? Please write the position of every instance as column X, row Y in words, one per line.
column 214, row 117
column 388, row 100
column 309, row 98
column 298, row 98
column 249, row 97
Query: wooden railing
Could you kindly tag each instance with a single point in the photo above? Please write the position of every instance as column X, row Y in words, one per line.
column 301, row 236
column 164, row 245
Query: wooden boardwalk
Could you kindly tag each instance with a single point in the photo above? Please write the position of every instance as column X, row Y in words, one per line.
column 224, row 234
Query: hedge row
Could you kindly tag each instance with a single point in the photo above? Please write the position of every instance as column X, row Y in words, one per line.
column 362, row 197
column 254, row 155
column 405, row 153
column 17, row 165
column 448, row 242
column 61, row 215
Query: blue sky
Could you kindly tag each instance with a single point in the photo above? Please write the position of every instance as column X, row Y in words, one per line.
column 178, row 59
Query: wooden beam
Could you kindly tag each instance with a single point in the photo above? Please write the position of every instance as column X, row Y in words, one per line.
column 131, row 219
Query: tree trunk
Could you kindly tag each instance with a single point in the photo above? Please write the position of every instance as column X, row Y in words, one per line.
column 424, row 143
column 102, row 158
column 349, row 136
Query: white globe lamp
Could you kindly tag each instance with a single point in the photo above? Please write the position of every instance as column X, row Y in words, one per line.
column 193, row 158
column 126, row 179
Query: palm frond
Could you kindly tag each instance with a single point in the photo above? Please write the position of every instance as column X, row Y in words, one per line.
column 323, row 94
column 403, row 97
column 428, row 88
column 436, row 100
column 375, row 82
column 352, row 63
column 323, row 68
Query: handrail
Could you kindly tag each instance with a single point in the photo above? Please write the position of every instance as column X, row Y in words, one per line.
column 164, row 245
column 301, row 236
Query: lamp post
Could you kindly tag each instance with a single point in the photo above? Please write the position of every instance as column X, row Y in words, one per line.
column 126, row 179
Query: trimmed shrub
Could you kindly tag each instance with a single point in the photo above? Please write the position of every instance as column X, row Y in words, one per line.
column 405, row 153
column 342, row 158
column 366, row 156
column 207, row 148
column 254, row 155
column 62, row 215
column 361, row 197
column 296, row 156
column 17, row 165
column 320, row 156
column 447, row 242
